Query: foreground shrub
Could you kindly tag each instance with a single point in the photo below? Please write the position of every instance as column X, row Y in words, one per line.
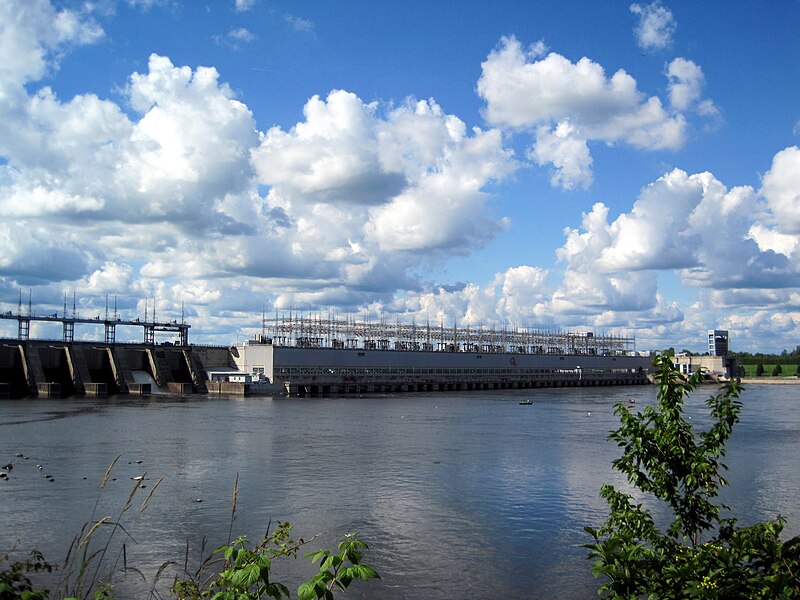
column 245, row 574
column 701, row 554
column 15, row 579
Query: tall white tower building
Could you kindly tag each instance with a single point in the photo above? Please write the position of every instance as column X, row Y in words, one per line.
column 718, row 342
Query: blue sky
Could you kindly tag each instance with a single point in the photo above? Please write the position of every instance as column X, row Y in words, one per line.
column 625, row 167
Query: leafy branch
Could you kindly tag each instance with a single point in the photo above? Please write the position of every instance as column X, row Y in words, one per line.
column 246, row 572
column 700, row 554
column 334, row 572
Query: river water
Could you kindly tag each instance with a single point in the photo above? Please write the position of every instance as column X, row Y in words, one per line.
column 457, row 494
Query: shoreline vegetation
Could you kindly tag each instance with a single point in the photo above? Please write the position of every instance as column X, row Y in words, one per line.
column 769, row 380
column 97, row 559
column 770, row 370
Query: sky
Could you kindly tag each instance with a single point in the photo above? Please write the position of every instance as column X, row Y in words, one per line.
column 626, row 168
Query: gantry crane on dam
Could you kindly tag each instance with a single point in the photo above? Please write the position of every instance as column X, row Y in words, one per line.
column 35, row 364
column 150, row 326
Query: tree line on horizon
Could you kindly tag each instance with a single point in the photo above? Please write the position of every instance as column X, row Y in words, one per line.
column 785, row 357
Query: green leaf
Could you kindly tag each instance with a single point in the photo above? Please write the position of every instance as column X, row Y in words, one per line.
column 306, row 591
column 364, row 572
column 245, row 576
column 277, row 591
column 315, row 556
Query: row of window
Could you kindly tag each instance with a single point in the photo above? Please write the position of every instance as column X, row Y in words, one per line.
column 287, row 372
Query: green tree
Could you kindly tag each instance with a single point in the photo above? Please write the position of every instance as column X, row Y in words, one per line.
column 700, row 554
column 777, row 371
column 759, row 370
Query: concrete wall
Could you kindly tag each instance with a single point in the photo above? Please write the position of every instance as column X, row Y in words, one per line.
column 248, row 357
column 12, row 371
column 89, row 367
column 327, row 370
column 213, row 356
column 284, row 356
column 715, row 366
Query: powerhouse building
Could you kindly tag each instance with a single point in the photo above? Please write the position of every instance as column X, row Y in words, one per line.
column 309, row 356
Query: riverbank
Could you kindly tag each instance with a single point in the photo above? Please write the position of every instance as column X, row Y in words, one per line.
column 769, row 380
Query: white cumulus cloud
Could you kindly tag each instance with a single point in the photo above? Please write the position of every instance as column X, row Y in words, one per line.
column 192, row 144
column 781, row 188
column 411, row 179
column 656, row 26
column 571, row 104
column 692, row 225
column 39, row 34
column 567, row 152
column 686, row 81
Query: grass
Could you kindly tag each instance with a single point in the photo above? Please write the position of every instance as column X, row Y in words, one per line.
column 98, row 556
column 787, row 370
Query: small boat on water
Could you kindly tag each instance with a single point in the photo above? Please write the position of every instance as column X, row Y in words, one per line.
column 526, row 402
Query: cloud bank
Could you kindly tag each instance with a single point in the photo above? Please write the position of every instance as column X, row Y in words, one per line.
column 173, row 191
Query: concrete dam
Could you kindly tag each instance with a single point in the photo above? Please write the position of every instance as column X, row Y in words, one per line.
column 51, row 368
column 56, row 369
column 306, row 356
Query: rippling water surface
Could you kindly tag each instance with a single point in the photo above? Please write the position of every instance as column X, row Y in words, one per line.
column 458, row 494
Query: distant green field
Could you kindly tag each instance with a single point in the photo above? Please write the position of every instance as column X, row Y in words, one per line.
column 787, row 370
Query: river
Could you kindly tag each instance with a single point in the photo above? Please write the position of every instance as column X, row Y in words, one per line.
column 457, row 494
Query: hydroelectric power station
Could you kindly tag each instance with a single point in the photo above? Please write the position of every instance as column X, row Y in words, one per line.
column 309, row 355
